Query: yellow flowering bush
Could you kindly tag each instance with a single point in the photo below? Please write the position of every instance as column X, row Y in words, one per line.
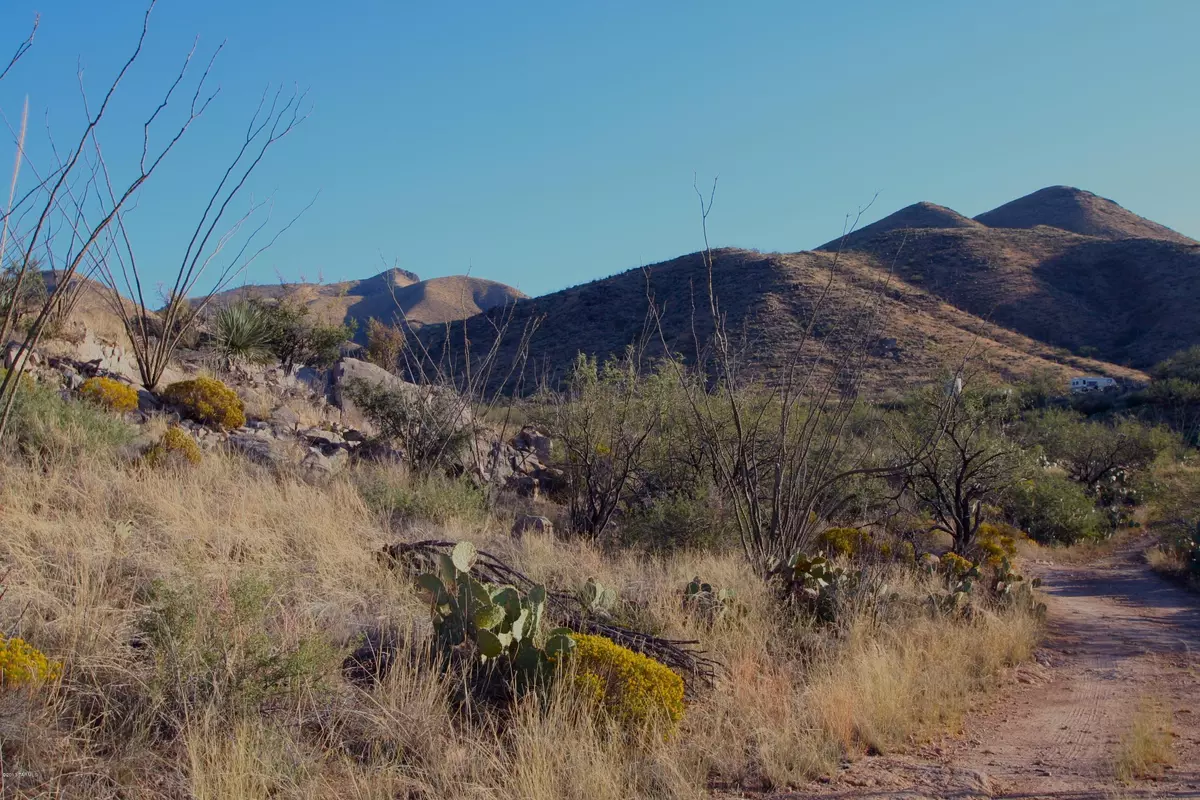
column 208, row 401
column 847, row 542
column 21, row 663
column 633, row 688
column 956, row 566
column 109, row 393
column 997, row 542
column 176, row 445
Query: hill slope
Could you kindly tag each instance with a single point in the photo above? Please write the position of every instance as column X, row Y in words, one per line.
column 1077, row 211
column 1131, row 301
column 768, row 300
column 1037, row 284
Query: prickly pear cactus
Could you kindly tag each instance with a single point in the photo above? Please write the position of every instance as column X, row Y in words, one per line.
column 494, row 625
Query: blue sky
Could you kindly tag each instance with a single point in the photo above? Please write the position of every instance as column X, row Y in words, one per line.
column 546, row 144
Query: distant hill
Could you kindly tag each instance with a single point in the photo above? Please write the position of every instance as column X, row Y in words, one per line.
column 1077, row 211
column 386, row 296
column 1060, row 280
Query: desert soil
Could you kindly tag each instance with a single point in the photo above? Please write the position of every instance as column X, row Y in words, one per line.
column 1118, row 636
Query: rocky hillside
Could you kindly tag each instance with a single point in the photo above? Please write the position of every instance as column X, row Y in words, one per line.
column 1060, row 280
column 1087, row 275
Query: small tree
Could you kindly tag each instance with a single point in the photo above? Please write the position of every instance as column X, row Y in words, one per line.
column 1094, row 451
column 296, row 339
column 959, row 459
column 605, row 422
column 385, row 343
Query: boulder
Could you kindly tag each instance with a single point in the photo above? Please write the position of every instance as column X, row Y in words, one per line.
column 530, row 522
column 322, row 463
column 531, row 440
column 265, row 451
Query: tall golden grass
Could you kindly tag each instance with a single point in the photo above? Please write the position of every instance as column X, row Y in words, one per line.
column 94, row 545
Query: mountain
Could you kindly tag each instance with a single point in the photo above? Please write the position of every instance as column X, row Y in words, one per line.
column 385, row 296
column 1131, row 300
column 767, row 300
column 1060, row 280
column 1077, row 211
column 918, row 215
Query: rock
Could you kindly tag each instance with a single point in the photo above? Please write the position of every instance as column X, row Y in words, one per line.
column 268, row 452
column 147, row 402
column 531, row 440
column 530, row 522
column 524, row 486
column 285, row 418
column 73, row 380
column 323, row 438
column 14, row 358
column 323, row 464
column 348, row 370
column 930, row 560
column 379, row 452
column 258, row 425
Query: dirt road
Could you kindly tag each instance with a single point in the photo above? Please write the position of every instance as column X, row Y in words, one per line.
column 1119, row 636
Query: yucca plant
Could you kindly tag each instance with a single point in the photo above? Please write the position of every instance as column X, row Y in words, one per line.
column 243, row 335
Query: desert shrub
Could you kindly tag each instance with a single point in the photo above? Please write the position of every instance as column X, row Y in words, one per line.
column 678, row 522
column 1054, row 510
column 434, row 498
column 45, row 426
column 955, row 566
column 296, row 339
column 632, row 688
column 23, row 664
column 110, row 394
column 208, row 401
column 429, row 423
column 997, row 541
column 385, row 343
column 843, row 542
column 243, row 334
column 224, row 653
column 1092, row 452
column 176, row 446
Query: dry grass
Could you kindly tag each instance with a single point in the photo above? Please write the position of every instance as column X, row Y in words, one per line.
column 243, row 576
column 1146, row 748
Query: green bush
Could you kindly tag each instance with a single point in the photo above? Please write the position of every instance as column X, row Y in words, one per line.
column 243, row 333
column 45, row 426
column 1054, row 510
column 208, row 401
column 429, row 423
column 678, row 522
column 296, row 339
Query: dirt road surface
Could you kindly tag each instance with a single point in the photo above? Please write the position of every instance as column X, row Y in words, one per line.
column 1118, row 636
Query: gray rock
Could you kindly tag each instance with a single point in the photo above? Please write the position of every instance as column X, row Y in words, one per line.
column 268, row 452
column 323, row 438
column 531, row 440
column 530, row 522
column 322, row 463
column 285, row 418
